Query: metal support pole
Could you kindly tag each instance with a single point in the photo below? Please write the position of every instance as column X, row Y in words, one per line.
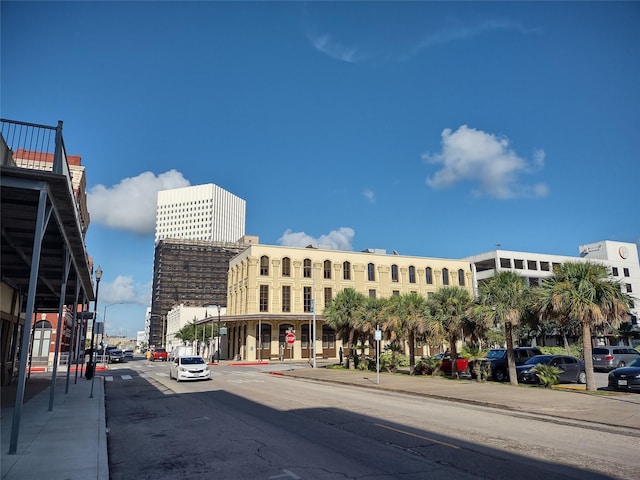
column 92, row 365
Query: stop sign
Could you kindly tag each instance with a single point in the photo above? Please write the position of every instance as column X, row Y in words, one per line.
column 291, row 338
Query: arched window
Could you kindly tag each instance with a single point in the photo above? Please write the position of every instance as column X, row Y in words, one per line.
column 264, row 265
column 412, row 274
column 346, row 271
column 327, row 269
column 461, row 277
column 371, row 272
column 306, row 266
column 394, row 273
column 429, row 276
column 445, row 276
column 286, row 267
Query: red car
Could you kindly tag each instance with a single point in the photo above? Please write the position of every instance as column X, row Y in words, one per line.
column 461, row 365
column 159, row 354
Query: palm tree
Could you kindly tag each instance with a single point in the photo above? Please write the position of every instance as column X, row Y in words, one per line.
column 343, row 314
column 407, row 319
column 449, row 308
column 583, row 291
column 505, row 298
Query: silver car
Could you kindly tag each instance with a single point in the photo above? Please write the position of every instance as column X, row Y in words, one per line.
column 608, row 358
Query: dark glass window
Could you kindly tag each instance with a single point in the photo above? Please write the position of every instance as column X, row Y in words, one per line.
column 264, row 298
column 394, row 273
column 264, row 265
column 412, row 274
column 429, row 276
column 461, row 277
column 371, row 271
column 307, row 268
column 286, row 267
column 306, row 299
column 328, row 296
column 327, row 269
column 346, row 271
column 286, row 298
column 445, row 276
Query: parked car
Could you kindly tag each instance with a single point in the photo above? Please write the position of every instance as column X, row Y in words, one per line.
column 497, row 360
column 608, row 358
column 573, row 370
column 115, row 355
column 159, row 354
column 128, row 354
column 626, row 378
column 189, row 368
column 462, row 365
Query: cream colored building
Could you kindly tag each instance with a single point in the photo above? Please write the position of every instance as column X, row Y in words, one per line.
column 273, row 289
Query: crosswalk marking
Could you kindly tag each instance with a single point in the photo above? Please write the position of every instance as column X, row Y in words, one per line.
column 126, row 377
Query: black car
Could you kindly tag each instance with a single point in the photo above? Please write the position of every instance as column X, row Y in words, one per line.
column 626, row 378
column 497, row 361
column 572, row 369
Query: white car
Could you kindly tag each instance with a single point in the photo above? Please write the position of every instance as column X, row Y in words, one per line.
column 189, row 368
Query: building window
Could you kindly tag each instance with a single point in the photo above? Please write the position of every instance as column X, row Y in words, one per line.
column 306, row 300
column 544, row 266
column 505, row 263
column 346, row 271
column 429, row 276
column 306, row 268
column 412, row 274
column 327, row 269
column 264, row 298
column 328, row 296
column 532, row 265
column 614, row 271
column 626, row 272
column 629, row 288
column 286, row 298
column 371, row 272
column 519, row 264
column 445, row 276
column 264, row 265
column 461, row 277
column 286, row 267
column 395, row 293
column 372, row 293
column 394, row 273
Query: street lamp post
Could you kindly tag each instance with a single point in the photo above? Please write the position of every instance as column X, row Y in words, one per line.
column 90, row 363
column 218, row 333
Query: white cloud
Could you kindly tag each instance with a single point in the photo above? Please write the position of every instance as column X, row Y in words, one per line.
column 131, row 204
column 369, row 195
column 336, row 239
column 484, row 159
column 124, row 290
column 326, row 45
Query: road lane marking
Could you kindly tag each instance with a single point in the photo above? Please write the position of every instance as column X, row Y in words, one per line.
column 109, row 378
column 126, row 377
column 429, row 439
column 288, row 474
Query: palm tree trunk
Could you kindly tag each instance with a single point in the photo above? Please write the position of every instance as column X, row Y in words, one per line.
column 350, row 348
column 412, row 353
column 453, row 353
column 587, row 353
column 511, row 361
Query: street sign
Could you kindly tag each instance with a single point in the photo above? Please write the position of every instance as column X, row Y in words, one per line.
column 291, row 338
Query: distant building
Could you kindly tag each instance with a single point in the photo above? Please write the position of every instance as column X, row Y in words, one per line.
column 198, row 230
column 202, row 212
column 620, row 258
column 272, row 289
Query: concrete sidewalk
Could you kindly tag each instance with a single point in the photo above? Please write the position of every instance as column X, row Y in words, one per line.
column 618, row 409
column 67, row 443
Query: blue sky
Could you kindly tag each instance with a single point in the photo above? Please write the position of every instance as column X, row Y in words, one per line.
column 436, row 129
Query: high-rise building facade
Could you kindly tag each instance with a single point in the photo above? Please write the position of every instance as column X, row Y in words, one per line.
column 202, row 212
column 198, row 230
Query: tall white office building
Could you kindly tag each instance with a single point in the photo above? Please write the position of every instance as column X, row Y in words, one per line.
column 202, row 212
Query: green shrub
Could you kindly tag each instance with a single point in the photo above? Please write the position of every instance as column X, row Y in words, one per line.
column 427, row 366
column 390, row 361
column 547, row 374
column 574, row 350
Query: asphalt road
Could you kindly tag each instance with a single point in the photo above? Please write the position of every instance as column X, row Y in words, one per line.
column 247, row 424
